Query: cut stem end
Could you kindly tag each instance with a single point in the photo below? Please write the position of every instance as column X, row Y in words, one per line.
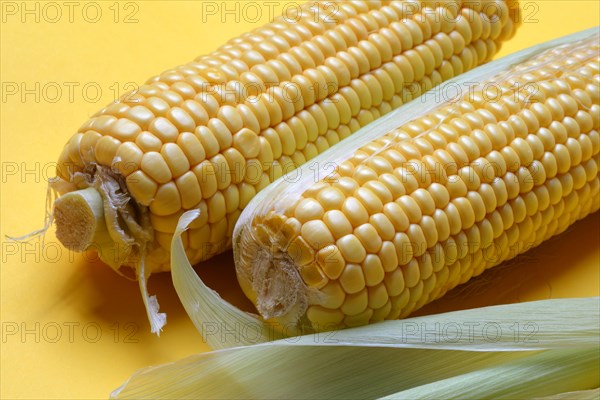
column 79, row 218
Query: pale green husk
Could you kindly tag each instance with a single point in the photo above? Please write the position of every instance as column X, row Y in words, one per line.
column 593, row 394
column 556, row 350
column 214, row 318
column 539, row 374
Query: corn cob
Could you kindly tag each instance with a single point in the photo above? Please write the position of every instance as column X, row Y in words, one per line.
column 433, row 203
column 210, row 134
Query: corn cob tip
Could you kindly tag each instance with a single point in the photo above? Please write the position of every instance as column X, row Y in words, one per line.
column 275, row 285
column 96, row 214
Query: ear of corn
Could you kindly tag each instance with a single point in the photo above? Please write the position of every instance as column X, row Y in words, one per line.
column 210, row 134
column 408, row 215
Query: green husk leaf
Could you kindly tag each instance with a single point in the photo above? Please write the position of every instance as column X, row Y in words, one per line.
column 540, row 374
column 384, row 359
column 217, row 320
column 592, row 394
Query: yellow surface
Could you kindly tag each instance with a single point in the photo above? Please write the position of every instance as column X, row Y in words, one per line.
column 71, row 328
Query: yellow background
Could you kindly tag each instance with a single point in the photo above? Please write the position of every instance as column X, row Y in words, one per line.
column 54, row 292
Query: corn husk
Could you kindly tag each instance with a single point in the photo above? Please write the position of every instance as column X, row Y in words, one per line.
column 212, row 316
column 520, row 378
column 592, row 394
column 511, row 351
